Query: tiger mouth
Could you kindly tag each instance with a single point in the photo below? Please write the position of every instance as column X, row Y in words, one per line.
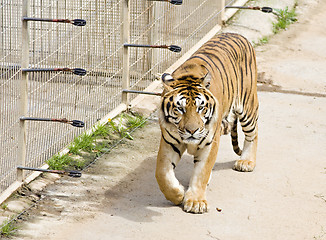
column 194, row 139
column 191, row 139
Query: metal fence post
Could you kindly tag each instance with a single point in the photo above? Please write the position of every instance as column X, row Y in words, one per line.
column 154, row 37
column 23, row 100
column 125, row 55
column 221, row 8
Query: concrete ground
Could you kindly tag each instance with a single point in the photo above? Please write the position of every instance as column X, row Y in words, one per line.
column 285, row 196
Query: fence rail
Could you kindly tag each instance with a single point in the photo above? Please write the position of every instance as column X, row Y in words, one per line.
column 114, row 72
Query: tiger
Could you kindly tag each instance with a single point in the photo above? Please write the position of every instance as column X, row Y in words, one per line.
column 202, row 99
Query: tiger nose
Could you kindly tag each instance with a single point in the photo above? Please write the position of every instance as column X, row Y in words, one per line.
column 191, row 130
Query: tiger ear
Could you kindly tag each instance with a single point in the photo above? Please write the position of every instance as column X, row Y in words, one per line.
column 167, row 80
column 206, row 80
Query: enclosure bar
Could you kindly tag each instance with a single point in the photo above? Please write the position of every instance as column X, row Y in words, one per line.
column 154, row 35
column 125, row 54
column 141, row 92
column 263, row 9
column 71, row 173
column 229, row 12
column 76, row 22
column 77, row 71
column 23, row 99
column 173, row 48
column 243, row 7
column 174, row 2
column 221, row 8
column 75, row 123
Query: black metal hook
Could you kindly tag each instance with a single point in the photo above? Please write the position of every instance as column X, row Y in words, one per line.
column 79, row 22
column 267, row 9
column 174, row 2
column 77, row 123
column 174, row 48
column 263, row 9
column 78, row 71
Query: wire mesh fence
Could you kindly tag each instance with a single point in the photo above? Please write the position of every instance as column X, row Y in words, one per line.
column 96, row 47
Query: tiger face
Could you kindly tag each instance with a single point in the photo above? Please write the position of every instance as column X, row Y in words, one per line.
column 189, row 107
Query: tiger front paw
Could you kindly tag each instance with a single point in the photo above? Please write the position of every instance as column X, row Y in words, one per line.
column 193, row 204
column 244, row 165
column 174, row 195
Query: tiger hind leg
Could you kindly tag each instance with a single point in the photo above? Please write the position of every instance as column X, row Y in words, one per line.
column 225, row 127
column 247, row 161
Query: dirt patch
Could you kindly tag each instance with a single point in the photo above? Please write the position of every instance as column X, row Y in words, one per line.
column 102, row 185
column 293, row 59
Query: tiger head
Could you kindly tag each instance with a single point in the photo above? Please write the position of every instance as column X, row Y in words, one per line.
column 189, row 106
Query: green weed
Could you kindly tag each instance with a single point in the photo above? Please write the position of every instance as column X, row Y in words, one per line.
column 261, row 41
column 103, row 131
column 120, row 129
column 7, row 228
column 134, row 121
column 83, row 142
column 284, row 18
column 126, row 123
column 58, row 162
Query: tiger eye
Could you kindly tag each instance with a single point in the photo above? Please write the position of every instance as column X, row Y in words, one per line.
column 180, row 109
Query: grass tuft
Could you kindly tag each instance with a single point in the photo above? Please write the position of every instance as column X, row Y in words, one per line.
column 86, row 148
column 134, row 121
column 4, row 206
column 126, row 123
column 284, row 18
column 84, row 142
column 59, row 162
column 103, row 131
column 7, row 228
column 261, row 41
